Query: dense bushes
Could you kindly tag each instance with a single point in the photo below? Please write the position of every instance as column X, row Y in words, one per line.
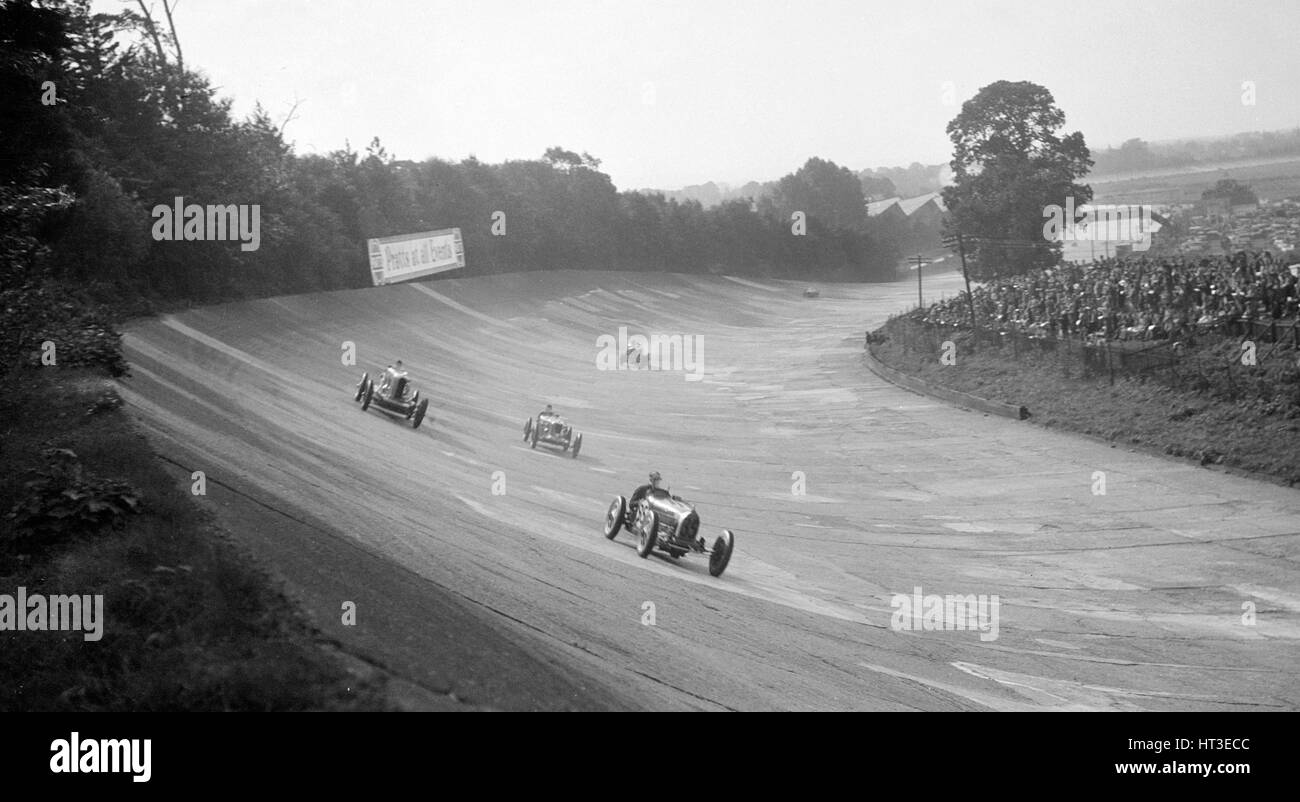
column 50, row 325
column 62, row 503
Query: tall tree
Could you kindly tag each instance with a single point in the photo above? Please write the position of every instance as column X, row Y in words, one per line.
column 826, row 193
column 1010, row 163
column 36, row 165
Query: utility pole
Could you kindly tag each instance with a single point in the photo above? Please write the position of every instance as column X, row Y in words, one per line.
column 920, row 302
column 960, row 241
column 970, row 299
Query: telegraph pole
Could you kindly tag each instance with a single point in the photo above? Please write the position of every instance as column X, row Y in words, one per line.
column 970, row 299
column 920, row 303
column 960, row 241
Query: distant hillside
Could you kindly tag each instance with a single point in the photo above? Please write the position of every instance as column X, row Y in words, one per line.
column 1137, row 155
column 712, row 193
column 877, row 184
column 1134, row 156
column 903, row 182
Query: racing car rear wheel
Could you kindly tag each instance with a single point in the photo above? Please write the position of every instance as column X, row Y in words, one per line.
column 721, row 554
column 367, row 395
column 419, row 414
column 614, row 516
column 649, row 534
column 528, row 430
column 577, row 445
column 361, row 386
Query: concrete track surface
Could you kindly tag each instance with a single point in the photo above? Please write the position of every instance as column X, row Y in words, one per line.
column 1132, row 600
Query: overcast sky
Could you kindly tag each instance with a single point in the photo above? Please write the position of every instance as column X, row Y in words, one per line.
column 676, row 93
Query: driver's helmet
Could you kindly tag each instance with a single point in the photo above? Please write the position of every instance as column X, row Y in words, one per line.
column 657, row 481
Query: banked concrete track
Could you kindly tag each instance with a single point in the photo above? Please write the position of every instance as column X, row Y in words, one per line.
column 1132, row 600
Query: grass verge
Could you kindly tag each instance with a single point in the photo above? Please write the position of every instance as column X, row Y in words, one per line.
column 1251, row 424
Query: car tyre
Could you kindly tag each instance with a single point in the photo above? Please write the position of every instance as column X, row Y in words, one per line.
column 361, row 386
column 649, row 535
column 367, row 396
column 534, row 437
column 419, row 414
column 577, row 446
column 614, row 516
column 528, row 430
column 721, row 554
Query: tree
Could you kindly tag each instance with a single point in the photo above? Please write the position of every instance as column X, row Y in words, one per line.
column 1234, row 191
column 1009, row 165
column 876, row 187
column 561, row 159
column 825, row 192
column 37, row 165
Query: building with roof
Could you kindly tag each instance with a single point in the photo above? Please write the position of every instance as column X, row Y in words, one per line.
column 911, row 222
column 925, row 213
column 887, row 210
column 1109, row 230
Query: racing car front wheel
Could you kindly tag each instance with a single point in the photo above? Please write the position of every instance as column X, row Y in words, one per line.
column 361, row 386
column 649, row 534
column 418, row 418
column 577, row 446
column 367, row 395
column 721, row 553
column 614, row 516
column 528, row 430
column 534, row 437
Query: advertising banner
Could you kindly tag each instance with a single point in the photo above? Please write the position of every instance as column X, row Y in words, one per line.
column 409, row 256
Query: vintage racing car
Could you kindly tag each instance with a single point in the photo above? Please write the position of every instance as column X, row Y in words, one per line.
column 553, row 430
column 660, row 519
column 395, row 400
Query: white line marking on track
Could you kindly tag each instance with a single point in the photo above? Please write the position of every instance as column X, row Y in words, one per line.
column 750, row 284
column 459, row 307
column 218, row 345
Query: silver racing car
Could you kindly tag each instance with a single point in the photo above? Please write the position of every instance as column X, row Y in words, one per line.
column 661, row 520
column 552, row 430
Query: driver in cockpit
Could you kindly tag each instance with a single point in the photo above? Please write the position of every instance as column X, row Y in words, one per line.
column 657, row 486
column 394, row 380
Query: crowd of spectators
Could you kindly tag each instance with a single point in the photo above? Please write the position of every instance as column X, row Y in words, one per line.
column 1134, row 298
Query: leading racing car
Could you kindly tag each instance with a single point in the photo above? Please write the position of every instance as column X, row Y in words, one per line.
column 395, row 399
column 669, row 523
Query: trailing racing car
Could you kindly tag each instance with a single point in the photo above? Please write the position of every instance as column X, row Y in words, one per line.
column 553, row 430
column 395, row 399
column 661, row 520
